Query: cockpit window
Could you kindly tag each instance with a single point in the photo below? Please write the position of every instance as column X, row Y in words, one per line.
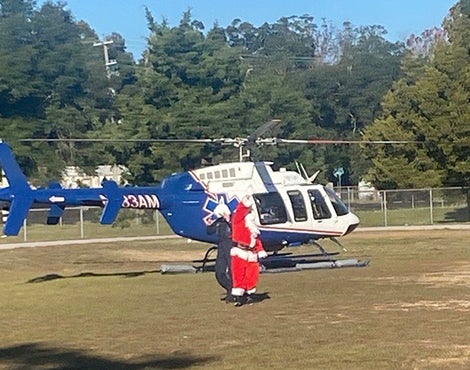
column 338, row 205
column 271, row 208
column 319, row 207
column 298, row 205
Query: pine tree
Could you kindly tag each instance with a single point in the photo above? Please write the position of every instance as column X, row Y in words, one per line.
column 429, row 105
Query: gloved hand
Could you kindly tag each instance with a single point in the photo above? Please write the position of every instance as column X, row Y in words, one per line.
column 262, row 254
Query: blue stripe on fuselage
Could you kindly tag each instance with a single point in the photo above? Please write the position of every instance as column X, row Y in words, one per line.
column 265, row 177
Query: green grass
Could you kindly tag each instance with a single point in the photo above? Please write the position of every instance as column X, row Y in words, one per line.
column 110, row 308
column 412, row 216
column 132, row 227
column 38, row 232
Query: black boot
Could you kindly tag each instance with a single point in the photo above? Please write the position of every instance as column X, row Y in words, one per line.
column 249, row 299
column 229, row 298
column 238, row 301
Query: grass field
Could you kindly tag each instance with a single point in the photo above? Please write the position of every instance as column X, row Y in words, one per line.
column 413, row 216
column 106, row 306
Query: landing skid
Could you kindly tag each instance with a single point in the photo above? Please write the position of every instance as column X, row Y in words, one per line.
column 316, row 265
column 206, row 259
column 276, row 262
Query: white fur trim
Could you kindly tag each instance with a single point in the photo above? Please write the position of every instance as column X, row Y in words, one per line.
column 251, row 291
column 252, row 241
column 243, row 254
column 250, row 223
column 238, row 292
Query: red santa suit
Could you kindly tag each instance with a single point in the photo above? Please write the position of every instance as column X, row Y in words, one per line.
column 246, row 251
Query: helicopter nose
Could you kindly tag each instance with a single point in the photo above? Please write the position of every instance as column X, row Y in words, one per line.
column 353, row 223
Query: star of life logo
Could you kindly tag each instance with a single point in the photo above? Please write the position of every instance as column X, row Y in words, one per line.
column 213, row 200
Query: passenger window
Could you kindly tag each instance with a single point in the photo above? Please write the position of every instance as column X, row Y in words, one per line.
column 319, row 208
column 270, row 208
column 298, row 205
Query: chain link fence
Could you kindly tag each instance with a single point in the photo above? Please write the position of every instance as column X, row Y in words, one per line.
column 374, row 208
column 83, row 223
column 408, row 206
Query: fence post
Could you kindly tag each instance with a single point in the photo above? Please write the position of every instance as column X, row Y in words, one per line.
column 385, row 208
column 349, row 198
column 25, row 231
column 431, row 215
column 82, row 233
column 157, row 221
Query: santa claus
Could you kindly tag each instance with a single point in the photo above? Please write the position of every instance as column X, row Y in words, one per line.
column 246, row 251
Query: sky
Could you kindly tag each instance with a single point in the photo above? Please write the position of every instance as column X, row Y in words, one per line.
column 400, row 18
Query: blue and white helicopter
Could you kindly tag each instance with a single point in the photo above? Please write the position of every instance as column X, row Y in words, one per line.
column 290, row 209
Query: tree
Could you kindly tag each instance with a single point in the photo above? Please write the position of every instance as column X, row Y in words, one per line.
column 53, row 85
column 429, row 105
column 345, row 96
column 183, row 91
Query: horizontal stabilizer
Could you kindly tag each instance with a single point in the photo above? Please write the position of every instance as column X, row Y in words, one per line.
column 55, row 213
column 19, row 209
column 113, row 203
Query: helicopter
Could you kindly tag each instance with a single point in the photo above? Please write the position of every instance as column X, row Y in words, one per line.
column 290, row 209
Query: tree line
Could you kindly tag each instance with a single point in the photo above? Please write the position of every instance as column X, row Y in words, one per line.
column 320, row 80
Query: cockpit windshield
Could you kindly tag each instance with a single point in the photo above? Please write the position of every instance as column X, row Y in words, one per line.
column 338, row 205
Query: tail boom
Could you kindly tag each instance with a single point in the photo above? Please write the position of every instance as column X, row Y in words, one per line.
column 22, row 196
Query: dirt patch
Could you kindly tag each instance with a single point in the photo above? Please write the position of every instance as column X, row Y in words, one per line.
column 455, row 275
column 458, row 356
column 459, row 276
column 427, row 305
column 159, row 255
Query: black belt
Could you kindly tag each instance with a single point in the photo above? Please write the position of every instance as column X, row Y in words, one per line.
column 244, row 247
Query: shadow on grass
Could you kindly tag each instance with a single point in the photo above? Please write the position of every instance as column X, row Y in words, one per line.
column 49, row 277
column 33, row 355
column 257, row 297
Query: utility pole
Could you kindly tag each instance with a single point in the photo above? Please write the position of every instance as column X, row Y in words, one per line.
column 107, row 62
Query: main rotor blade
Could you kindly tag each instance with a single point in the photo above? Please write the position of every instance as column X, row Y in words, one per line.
column 262, row 129
column 328, row 141
column 227, row 141
column 87, row 140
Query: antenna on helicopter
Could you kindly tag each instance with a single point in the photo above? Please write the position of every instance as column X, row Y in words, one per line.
column 301, row 170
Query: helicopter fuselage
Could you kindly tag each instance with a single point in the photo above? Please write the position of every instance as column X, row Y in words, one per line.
column 289, row 210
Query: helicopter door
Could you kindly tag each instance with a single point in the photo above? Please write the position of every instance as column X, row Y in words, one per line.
column 298, row 205
column 270, row 208
column 319, row 207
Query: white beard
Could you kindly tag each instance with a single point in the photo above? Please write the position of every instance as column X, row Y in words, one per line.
column 251, row 225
